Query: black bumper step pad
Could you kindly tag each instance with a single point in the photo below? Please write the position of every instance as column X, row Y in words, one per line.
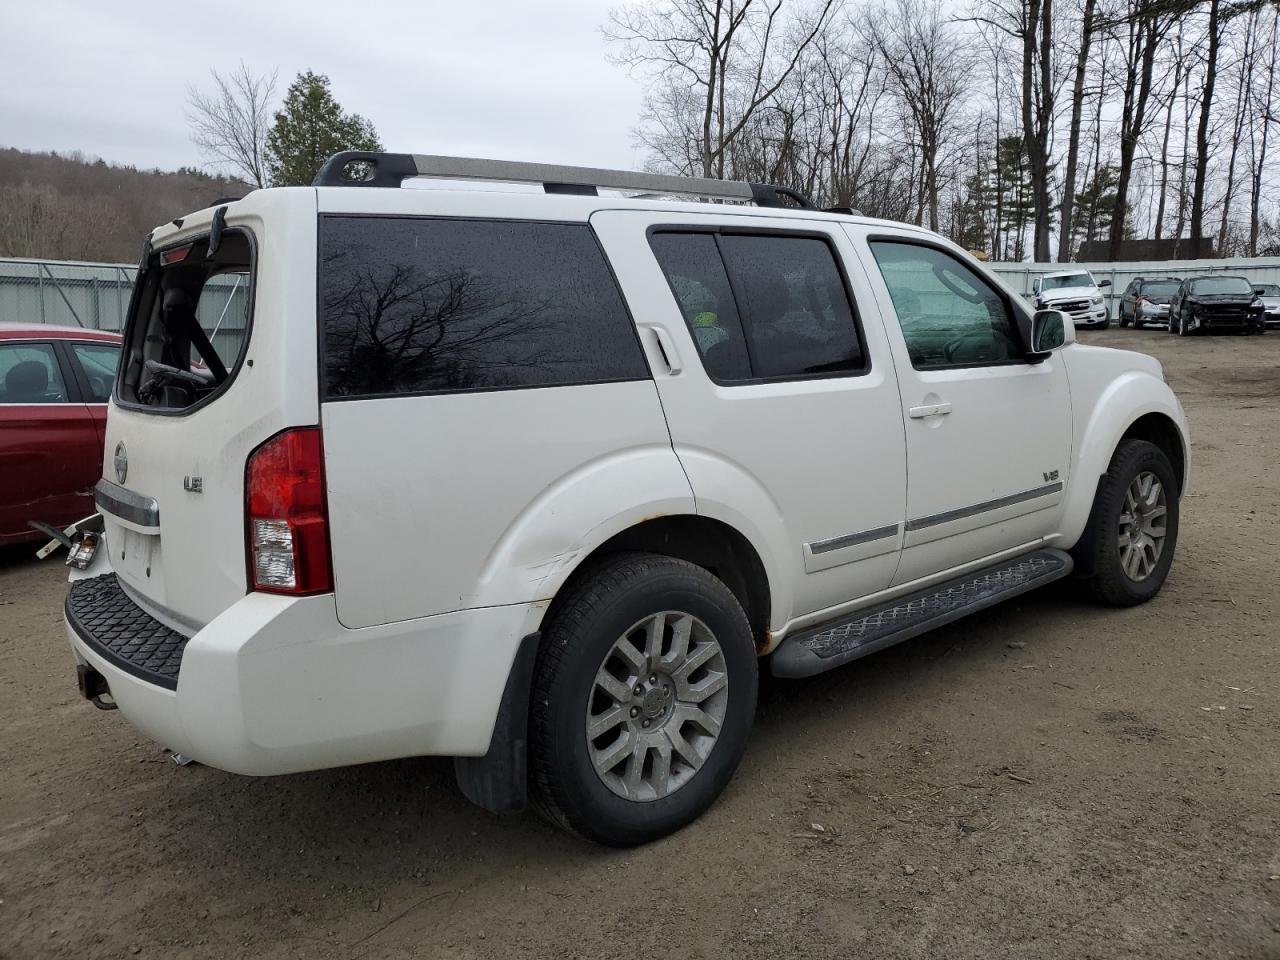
column 115, row 627
column 867, row 631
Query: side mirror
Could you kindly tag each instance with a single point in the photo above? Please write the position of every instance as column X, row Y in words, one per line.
column 1035, row 285
column 1259, row 291
column 1050, row 330
column 1104, row 283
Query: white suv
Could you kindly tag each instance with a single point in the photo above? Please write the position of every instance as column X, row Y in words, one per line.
column 1076, row 294
column 540, row 480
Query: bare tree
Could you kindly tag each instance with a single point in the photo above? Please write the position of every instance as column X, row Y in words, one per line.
column 1145, row 26
column 1066, row 209
column 1264, row 107
column 734, row 54
column 230, row 122
column 930, row 65
column 1169, row 102
column 1202, row 130
column 1245, row 67
column 1030, row 24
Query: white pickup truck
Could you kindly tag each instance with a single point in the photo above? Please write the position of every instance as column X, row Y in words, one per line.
column 539, row 478
column 1076, row 294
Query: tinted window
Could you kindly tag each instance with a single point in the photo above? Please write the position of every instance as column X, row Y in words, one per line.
column 437, row 306
column 29, row 374
column 98, row 361
column 794, row 307
column 950, row 316
column 696, row 273
column 1160, row 288
column 785, row 314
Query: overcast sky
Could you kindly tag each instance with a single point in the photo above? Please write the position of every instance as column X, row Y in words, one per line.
column 510, row 79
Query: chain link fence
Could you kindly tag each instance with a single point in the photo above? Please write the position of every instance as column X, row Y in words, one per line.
column 96, row 296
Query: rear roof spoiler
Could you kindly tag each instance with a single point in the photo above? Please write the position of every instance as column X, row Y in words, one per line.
column 354, row 168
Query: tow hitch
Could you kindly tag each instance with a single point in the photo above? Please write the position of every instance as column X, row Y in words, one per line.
column 93, row 687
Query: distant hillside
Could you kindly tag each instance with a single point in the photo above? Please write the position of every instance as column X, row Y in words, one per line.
column 75, row 208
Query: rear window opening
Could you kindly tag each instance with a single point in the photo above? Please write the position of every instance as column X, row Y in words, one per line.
column 188, row 324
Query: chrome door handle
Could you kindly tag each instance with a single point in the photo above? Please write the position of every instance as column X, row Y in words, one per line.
column 930, row 410
column 667, row 347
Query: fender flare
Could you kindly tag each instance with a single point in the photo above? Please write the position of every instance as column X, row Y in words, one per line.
column 1132, row 392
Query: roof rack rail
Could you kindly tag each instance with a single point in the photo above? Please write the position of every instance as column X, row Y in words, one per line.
column 354, row 168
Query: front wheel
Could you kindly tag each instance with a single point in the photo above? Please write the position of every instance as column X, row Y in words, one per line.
column 1133, row 528
column 643, row 699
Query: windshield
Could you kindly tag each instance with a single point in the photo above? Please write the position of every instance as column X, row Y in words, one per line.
column 1237, row 286
column 1269, row 289
column 1066, row 280
column 1162, row 288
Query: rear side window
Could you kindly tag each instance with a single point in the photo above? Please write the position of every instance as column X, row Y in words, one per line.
column 29, row 374
column 692, row 264
column 762, row 307
column 421, row 305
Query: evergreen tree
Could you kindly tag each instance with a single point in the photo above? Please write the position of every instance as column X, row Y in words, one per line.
column 1096, row 204
column 1015, row 189
column 309, row 129
column 973, row 213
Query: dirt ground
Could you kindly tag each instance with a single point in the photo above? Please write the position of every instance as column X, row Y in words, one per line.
column 1046, row 779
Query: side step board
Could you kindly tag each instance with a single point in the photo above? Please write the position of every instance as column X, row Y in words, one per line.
column 866, row 631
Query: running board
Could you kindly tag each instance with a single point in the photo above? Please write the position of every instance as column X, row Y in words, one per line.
column 866, row 631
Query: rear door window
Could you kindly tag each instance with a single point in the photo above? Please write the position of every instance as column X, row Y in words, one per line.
column 29, row 374
column 762, row 307
column 414, row 305
column 794, row 306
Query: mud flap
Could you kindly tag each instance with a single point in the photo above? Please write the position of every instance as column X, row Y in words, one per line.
column 499, row 781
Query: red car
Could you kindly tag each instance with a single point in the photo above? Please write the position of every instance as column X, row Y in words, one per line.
column 54, row 387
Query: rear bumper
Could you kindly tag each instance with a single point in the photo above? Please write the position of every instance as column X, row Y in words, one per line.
column 276, row 685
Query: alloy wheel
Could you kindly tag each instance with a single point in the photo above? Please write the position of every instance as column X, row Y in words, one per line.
column 656, row 706
column 1142, row 526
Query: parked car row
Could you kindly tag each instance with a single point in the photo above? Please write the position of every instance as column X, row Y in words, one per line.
column 1200, row 304
column 1181, row 305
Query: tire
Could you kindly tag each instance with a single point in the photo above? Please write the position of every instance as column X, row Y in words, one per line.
column 1101, row 550
column 624, row 597
column 1124, row 323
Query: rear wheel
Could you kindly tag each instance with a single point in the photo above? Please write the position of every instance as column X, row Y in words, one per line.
column 1133, row 528
column 643, row 699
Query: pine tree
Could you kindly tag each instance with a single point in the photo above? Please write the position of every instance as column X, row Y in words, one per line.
column 310, row 128
column 1096, row 204
column 1015, row 189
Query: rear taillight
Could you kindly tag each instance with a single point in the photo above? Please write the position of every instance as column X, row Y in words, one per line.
column 286, row 518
